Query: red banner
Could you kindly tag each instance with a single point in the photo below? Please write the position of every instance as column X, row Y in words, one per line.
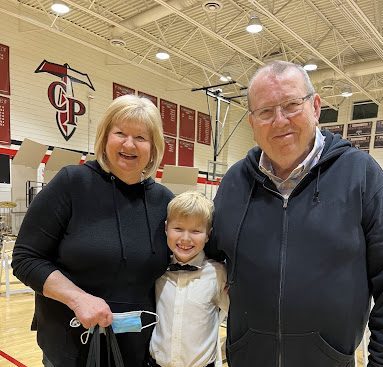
column 187, row 123
column 185, row 153
column 5, row 132
column 169, row 152
column 5, row 87
column 121, row 90
column 148, row 96
column 203, row 128
column 169, row 117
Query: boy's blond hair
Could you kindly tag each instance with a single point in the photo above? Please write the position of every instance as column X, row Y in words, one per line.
column 192, row 204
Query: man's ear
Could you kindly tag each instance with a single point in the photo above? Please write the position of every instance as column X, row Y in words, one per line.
column 208, row 235
column 317, row 106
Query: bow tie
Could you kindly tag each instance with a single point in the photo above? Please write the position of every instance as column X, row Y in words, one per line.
column 178, row 266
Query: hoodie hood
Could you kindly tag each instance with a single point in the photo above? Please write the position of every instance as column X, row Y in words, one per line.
column 118, row 184
column 95, row 166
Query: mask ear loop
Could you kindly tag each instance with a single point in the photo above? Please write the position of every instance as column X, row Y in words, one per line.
column 153, row 323
column 74, row 322
column 84, row 337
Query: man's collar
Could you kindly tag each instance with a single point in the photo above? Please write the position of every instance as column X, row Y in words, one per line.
column 266, row 166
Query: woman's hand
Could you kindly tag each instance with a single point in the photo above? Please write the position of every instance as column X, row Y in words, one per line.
column 91, row 310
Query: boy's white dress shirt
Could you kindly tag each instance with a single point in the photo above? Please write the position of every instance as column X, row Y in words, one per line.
column 188, row 303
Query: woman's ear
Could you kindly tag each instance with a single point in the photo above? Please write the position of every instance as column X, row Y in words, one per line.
column 166, row 227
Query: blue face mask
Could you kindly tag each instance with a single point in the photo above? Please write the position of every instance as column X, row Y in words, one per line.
column 130, row 322
column 125, row 322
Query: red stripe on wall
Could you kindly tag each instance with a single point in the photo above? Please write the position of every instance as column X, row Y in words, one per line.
column 12, row 153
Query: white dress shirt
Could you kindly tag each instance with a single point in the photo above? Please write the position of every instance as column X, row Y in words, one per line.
column 188, row 303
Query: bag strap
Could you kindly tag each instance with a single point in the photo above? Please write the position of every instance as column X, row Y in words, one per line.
column 94, row 349
column 111, row 346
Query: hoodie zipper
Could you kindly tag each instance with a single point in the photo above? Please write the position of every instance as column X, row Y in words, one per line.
column 282, row 268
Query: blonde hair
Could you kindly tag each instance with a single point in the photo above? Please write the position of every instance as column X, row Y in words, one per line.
column 189, row 204
column 130, row 108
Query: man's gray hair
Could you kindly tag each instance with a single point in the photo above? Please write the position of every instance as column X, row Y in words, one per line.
column 279, row 67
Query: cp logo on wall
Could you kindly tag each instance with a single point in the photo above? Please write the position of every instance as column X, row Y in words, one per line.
column 61, row 95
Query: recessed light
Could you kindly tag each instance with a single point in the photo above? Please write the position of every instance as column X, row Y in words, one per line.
column 60, row 8
column 162, row 55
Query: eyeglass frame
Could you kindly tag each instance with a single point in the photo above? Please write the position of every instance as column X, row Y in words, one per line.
column 304, row 99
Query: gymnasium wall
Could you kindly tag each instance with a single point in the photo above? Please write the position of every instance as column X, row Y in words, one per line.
column 33, row 117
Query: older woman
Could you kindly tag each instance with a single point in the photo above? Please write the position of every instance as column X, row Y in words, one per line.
column 92, row 243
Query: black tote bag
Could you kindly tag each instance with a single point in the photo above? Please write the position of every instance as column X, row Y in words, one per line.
column 111, row 345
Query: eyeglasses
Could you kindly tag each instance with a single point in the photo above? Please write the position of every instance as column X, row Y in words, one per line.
column 289, row 108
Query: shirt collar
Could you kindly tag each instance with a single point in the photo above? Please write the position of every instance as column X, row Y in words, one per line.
column 311, row 159
column 195, row 261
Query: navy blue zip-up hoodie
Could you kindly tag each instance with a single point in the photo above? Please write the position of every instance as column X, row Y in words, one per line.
column 108, row 238
column 301, row 271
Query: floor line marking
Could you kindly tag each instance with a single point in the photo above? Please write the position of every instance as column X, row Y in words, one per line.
column 11, row 359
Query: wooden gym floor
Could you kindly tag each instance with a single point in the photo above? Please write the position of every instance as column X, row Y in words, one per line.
column 16, row 339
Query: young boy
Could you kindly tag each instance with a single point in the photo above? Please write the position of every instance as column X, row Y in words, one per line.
column 191, row 293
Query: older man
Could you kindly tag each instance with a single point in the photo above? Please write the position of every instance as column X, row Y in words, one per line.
column 300, row 222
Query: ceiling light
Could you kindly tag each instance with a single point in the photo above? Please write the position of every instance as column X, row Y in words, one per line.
column 60, row 8
column 310, row 65
column 346, row 91
column 117, row 42
column 225, row 77
column 162, row 55
column 254, row 25
column 212, row 6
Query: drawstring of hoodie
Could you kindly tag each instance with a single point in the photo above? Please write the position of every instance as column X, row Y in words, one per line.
column 147, row 220
column 316, row 192
column 233, row 271
column 123, row 251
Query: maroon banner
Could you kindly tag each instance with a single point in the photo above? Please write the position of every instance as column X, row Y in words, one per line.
column 187, row 123
column 360, row 142
column 378, row 142
column 169, row 117
column 185, row 153
column 359, row 128
column 335, row 129
column 5, row 87
column 5, row 131
column 169, row 152
column 379, row 127
column 203, row 128
column 148, row 96
column 121, row 90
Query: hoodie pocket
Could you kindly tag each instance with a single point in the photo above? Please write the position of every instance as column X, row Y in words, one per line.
column 254, row 348
column 312, row 350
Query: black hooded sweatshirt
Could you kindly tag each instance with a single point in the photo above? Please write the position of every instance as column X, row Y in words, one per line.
column 108, row 238
column 301, row 271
